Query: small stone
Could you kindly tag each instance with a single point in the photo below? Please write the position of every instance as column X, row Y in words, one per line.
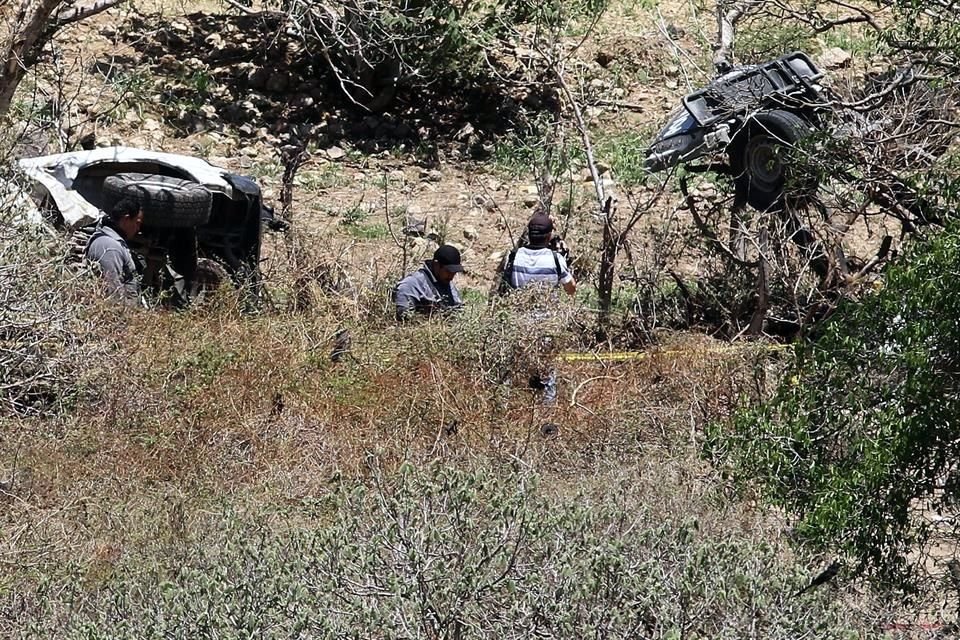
column 496, row 256
column 470, row 233
column 415, row 228
column 335, row 153
column 431, row 175
column 214, row 40
column 531, row 200
column 835, row 58
column 209, row 111
column 149, row 124
column 248, row 151
column 303, row 101
column 246, row 129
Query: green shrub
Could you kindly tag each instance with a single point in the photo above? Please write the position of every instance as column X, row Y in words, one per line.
column 861, row 440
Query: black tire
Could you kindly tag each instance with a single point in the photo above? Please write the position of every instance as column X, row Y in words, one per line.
column 758, row 158
column 168, row 203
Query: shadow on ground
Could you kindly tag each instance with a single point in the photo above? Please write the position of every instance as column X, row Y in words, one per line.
column 244, row 74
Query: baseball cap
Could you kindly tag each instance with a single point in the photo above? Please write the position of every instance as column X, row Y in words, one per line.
column 449, row 257
column 540, row 225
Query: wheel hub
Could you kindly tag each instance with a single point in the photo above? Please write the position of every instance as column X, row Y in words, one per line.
column 764, row 164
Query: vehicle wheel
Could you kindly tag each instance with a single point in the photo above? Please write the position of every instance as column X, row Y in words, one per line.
column 759, row 156
column 209, row 276
column 168, row 203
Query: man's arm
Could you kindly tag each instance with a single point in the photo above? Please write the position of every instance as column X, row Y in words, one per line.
column 566, row 278
column 405, row 298
column 117, row 267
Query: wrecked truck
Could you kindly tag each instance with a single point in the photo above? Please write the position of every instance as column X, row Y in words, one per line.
column 201, row 222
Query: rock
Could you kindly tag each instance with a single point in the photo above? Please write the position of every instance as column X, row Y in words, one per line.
column 470, row 233
column 531, row 200
column 302, row 101
column 431, row 175
column 257, row 78
column 208, row 111
column 215, row 40
column 248, row 151
column 496, row 256
column 149, row 124
column 602, row 167
column 335, row 153
column 485, row 202
column 246, row 129
column 415, row 228
column 834, row 58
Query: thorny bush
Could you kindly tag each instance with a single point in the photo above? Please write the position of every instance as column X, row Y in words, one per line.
column 50, row 331
column 443, row 553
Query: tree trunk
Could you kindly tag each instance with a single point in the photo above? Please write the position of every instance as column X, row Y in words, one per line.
column 608, row 261
column 27, row 29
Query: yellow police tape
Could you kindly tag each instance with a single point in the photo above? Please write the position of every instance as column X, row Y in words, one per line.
column 614, row 356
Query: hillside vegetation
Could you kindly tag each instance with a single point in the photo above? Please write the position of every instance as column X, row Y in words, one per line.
column 229, row 470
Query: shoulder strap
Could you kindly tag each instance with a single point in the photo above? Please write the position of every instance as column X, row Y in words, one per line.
column 556, row 262
column 507, row 275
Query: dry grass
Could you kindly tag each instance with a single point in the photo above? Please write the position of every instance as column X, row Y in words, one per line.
column 193, row 412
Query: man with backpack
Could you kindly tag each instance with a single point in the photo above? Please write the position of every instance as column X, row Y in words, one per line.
column 537, row 262
column 538, row 265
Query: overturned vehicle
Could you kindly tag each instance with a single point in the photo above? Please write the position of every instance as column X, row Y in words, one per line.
column 202, row 224
column 751, row 114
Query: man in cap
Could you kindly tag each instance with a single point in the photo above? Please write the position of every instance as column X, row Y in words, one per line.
column 538, row 265
column 430, row 288
column 538, row 262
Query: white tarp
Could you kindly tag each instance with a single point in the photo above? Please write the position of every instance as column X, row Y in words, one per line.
column 57, row 172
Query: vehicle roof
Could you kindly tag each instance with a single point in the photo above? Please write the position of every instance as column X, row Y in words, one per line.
column 57, row 172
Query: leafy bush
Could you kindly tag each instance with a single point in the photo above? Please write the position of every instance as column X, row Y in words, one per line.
column 444, row 553
column 861, row 440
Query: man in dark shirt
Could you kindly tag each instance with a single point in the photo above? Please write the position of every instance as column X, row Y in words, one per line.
column 108, row 248
column 430, row 288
